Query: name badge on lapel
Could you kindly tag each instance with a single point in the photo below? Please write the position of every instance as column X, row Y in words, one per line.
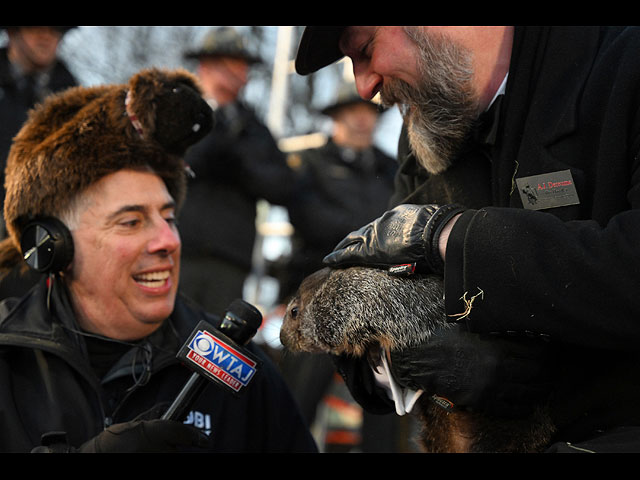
column 548, row 190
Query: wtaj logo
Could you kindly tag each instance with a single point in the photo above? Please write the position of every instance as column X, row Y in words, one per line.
column 221, row 360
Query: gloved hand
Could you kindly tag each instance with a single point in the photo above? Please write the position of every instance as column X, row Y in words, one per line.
column 494, row 375
column 145, row 436
column 359, row 379
column 406, row 234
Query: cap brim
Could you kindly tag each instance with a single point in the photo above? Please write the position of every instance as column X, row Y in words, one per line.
column 318, row 48
column 198, row 54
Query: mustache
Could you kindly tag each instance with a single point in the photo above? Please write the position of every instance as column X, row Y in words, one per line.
column 437, row 104
column 397, row 92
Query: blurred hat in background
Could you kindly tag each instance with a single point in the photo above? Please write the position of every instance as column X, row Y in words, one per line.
column 223, row 42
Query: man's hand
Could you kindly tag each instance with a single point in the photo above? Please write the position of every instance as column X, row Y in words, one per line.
column 145, row 436
column 360, row 380
column 406, row 234
column 493, row 375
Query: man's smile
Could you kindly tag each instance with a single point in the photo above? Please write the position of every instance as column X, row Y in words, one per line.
column 153, row 279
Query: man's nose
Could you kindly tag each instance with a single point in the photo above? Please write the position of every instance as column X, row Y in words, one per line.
column 165, row 238
column 368, row 82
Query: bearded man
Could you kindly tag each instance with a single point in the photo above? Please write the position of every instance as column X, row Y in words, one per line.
column 519, row 182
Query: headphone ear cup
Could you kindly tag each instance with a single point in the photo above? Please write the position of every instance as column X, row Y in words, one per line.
column 47, row 245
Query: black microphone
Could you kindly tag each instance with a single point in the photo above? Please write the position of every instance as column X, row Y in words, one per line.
column 217, row 354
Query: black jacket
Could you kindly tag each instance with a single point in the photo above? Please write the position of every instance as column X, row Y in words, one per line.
column 237, row 164
column 337, row 191
column 568, row 274
column 55, row 380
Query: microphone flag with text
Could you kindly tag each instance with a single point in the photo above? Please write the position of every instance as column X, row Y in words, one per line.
column 218, row 355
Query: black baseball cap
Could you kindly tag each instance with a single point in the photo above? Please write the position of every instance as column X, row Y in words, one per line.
column 318, row 48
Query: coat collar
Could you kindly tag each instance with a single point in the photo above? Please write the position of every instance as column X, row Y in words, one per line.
column 28, row 322
column 549, row 68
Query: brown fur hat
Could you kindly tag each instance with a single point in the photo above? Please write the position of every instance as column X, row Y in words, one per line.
column 76, row 137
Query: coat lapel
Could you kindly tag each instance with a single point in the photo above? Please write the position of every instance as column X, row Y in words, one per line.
column 541, row 102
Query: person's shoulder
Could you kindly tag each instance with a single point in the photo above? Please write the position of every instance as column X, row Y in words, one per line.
column 23, row 314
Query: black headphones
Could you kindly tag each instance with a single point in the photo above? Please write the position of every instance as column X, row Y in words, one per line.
column 47, row 245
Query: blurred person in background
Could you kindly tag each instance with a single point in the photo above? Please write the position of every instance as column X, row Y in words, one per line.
column 344, row 183
column 234, row 166
column 340, row 186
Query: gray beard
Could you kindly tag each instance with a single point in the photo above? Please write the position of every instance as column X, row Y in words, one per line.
column 439, row 113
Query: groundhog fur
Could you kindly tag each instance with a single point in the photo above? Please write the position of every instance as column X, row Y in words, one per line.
column 355, row 311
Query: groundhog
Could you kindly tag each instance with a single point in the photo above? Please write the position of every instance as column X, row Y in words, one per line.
column 357, row 311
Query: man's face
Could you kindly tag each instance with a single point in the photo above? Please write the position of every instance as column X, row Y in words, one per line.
column 124, row 275
column 427, row 72
column 355, row 124
column 38, row 44
column 379, row 54
column 223, row 78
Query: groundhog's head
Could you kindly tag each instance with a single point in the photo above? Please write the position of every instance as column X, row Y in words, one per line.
column 298, row 332
column 352, row 310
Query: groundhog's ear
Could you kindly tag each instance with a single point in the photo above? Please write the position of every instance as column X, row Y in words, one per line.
column 168, row 107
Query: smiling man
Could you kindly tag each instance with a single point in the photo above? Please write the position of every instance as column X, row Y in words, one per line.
column 128, row 296
column 88, row 357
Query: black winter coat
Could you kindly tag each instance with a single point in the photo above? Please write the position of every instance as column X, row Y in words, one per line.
column 337, row 191
column 569, row 274
column 237, row 164
column 50, row 383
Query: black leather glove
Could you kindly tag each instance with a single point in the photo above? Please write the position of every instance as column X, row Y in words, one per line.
column 494, row 375
column 408, row 234
column 359, row 379
column 145, row 436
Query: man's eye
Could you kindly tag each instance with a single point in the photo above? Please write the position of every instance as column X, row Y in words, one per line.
column 131, row 222
column 364, row 50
